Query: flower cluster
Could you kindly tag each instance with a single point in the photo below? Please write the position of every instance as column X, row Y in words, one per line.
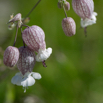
column 84, row 9
column 34, row 38
column 24, row 57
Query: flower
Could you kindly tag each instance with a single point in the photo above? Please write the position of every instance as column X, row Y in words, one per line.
column 85, row 9
column 25, row 80
column 26, row 60
column 34, row 37
column 86, row 22
column 25, row 64
column 43, row 54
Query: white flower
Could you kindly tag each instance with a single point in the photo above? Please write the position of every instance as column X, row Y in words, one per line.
column 43, row 54
column 86, row 22
column 25, row 80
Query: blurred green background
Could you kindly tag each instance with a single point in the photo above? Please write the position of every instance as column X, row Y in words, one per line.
column 74, row 72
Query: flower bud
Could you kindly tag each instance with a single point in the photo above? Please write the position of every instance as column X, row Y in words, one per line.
column 17, row 17
column 66, row 5
column 83, row 8
column 11, row 56
column 26, row 60
column 69, row 26
column 26, row 20
column 34, row 38
column 60, row 4
column 11, row 26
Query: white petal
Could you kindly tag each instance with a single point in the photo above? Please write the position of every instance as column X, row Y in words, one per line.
column 87, row 22
column 17, row 79
column 43, row 54
column 94, row 13
column 27, row 81
column 36, row 75
column 94, row 16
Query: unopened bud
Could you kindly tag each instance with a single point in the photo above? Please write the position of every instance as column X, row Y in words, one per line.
column 11, row 56
column 26, row 20
column 17, row 17
column 83, row 8
column 34, row 38
column 26, row 60
column 67, row 5
column 11, row 26
column 60, row 4
column 69, row 26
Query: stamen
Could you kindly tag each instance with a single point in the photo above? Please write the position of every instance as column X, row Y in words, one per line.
column 44, row 64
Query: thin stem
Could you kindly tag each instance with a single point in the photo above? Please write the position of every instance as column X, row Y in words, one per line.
column 32, row 9
column 16, row 35
column 25, row 25
column 22, row 38
column 65, row 11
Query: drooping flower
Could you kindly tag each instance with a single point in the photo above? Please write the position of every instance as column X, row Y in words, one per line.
column 26, row 60
column 34, row 38
column 69, row 26
column 11, row 56
column 85, row 9
column 25, row 80
column 25, row 64
column 43, row 54
column 86, row 22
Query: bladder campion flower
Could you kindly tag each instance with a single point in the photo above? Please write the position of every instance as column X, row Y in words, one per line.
column 25, row 80
column 34, row 38
column 25, row 64
column 85, row 9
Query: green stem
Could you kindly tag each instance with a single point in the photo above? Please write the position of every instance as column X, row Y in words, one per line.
column 24, row 25
column 31, row 10
column 65, row 11
column 22, row 38
column 16, row 35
